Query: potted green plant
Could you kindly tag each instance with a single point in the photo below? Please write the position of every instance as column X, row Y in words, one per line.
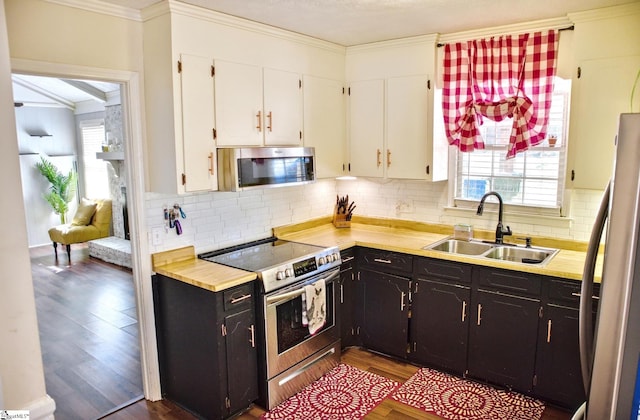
column 62, row 189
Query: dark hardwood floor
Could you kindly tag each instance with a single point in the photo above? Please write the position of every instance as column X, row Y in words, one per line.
column 88, row 332
column 362, row 359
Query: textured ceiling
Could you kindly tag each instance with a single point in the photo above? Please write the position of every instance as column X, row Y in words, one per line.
column 353, row 22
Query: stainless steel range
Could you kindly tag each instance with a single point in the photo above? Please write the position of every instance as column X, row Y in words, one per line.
column 298, row 341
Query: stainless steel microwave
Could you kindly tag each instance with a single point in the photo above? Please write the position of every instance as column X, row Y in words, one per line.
column 258, row 167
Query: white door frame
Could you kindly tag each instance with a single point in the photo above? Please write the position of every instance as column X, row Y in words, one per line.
column 133, row 118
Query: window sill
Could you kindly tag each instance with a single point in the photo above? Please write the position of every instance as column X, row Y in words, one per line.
column 516, row 217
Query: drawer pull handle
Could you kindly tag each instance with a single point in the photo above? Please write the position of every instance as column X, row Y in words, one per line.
column 548, row 331
column 402, row 305
column 252, row 328
column 579, row 295
column 380, row 260
column 347, row 259
column 479, row 312
column 464, row 310
column 240, row 299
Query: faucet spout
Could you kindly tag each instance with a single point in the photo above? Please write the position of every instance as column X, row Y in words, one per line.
column 500, row 232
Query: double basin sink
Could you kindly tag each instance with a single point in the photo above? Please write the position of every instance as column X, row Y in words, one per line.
column 488, row 250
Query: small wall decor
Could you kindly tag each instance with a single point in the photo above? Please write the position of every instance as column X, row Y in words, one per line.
column 172, row 216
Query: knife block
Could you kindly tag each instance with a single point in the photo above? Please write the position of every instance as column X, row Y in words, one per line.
column 340, row 219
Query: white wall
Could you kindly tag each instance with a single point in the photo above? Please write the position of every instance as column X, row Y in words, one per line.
column 60, row 149
column 21, row 371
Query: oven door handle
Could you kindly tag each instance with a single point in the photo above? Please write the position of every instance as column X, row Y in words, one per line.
column 295, row 293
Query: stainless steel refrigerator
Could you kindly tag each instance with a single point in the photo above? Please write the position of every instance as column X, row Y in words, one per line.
column 610, row 355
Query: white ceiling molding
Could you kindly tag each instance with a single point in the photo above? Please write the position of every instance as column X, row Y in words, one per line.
column 184, row 9
column 606, row 13
column 101, row 7
column 519, row 28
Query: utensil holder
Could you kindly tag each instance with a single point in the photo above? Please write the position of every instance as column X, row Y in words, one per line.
column 340, row 219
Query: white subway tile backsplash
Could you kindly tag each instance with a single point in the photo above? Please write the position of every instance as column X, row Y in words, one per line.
column 219, row 219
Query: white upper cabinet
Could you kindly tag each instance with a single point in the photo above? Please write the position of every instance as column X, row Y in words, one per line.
column 407, row 127
column 256, row 106
column 324, row 116
column 257, row 103
column 238, row 104
column 391, row 123
column 199, row 148
column 366, row 128
column 282, row 123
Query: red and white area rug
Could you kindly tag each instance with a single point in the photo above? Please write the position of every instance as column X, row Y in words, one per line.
column 458, row 399
column 345, row 393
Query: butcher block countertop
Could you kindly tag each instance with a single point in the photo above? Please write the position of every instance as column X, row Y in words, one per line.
column 410, row 237
column 183, row 264
column 385, row 234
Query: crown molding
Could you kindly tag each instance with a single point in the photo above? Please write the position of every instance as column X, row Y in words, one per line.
column 98, row 6
column 606, row 13
column 175, row 7
column 400, row 42
column 518, row 28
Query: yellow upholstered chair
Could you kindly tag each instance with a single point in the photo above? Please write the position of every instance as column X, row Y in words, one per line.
column 91, row 221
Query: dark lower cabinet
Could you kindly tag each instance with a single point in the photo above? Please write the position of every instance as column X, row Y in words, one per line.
column 558, row 373
column 346, row 298
column 439, row 325
column 502, row 339
column 385, row 312
column 206, row 347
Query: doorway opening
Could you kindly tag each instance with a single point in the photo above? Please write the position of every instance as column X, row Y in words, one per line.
column 87, row 306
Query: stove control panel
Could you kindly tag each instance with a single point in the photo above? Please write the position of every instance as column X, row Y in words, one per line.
column 293, row 271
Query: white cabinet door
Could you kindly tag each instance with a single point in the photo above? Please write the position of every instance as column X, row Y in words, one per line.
column 238, row 99
column 324, row 124
column 600, row 94
column 366, row 129
column 407, row 127
column 282, row 119
column 196, row 79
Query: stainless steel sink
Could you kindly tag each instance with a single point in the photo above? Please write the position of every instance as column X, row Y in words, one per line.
column 510, row 253
column 521, row 255
column 455, row 246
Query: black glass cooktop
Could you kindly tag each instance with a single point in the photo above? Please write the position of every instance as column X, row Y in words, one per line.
column 261, row 255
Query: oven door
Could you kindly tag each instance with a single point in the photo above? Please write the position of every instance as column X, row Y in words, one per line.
column 288, row 340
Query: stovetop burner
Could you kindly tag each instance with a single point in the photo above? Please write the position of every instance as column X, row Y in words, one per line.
column 276, row 262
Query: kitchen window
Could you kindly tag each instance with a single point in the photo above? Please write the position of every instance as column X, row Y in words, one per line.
column 534, row 178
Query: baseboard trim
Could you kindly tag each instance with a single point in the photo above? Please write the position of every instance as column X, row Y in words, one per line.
column 42, row 408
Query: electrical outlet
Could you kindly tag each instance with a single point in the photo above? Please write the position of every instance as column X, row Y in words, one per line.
column 404, row 206
column 156, row 236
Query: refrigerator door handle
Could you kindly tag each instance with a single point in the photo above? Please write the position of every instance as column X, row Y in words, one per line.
column 586, row 304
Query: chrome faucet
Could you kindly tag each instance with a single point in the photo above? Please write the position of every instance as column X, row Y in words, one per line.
column 500, row 233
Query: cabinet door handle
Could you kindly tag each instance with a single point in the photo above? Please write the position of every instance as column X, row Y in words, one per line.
column 252, row 328
column 259, row 126
column 341, row 293
column 402, row 305
column 270, row 116
column 380, row 260
column 464, row 310
column 388, row 158
column 379, row 154
column 548, row 331
column 211, row 163
column 240, row 299
column 479, row 312
column 579, row 295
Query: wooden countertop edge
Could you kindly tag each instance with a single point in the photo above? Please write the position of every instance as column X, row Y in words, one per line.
column 180, row 265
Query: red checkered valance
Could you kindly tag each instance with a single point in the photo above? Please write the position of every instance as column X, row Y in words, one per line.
column 498, row 78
